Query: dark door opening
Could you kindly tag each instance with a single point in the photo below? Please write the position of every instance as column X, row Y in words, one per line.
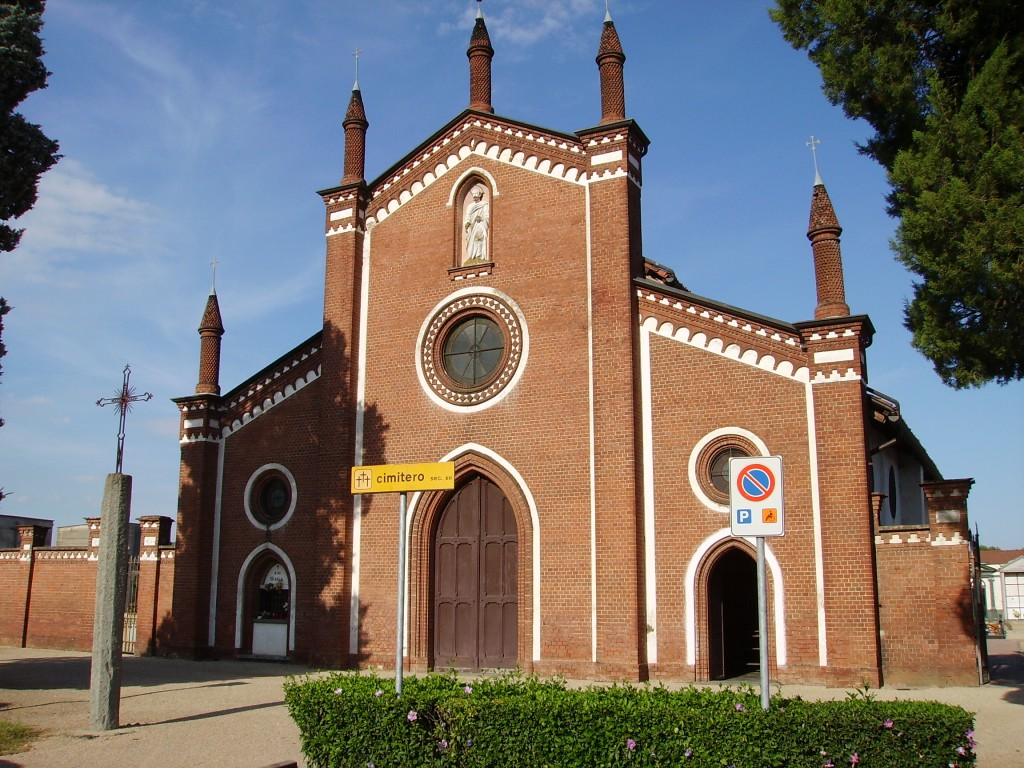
column 732, row 616
column 476, row 551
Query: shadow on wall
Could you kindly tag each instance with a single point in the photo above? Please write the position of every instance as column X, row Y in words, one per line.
column 322, row 449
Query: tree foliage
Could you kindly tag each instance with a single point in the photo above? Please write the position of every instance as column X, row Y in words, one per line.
column 25, row 151
column 941, row 82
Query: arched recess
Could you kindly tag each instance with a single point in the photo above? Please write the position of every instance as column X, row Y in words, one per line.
column 250, row 577
column 474, row 219
column 425, row 513
column 699, row 574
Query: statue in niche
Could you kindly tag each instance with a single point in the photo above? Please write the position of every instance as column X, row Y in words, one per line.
column 476, row 226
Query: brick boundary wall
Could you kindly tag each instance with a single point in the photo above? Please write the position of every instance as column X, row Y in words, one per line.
column 928, row 627
column 49, row 592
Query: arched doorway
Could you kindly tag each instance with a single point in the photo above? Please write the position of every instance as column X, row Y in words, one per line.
column 475, row 574
column 272, row 604
column 732, row 616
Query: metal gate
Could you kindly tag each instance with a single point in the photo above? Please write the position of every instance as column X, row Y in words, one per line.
column 131, row 606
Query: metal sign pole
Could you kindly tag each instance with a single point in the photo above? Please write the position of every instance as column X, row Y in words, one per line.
column 762, row 622
column 400, row 627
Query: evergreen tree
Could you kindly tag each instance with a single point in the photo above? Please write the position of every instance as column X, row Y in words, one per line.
column 25, row 151
column 942, row 84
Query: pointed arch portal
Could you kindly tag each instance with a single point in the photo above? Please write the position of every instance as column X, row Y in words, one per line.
column 732, row 616
column 475, row 580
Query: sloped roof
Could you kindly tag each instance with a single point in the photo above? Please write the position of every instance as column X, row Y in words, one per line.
column 1000, row 556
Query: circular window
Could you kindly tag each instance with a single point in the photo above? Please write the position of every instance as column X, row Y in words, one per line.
column 709, row 463
column 471, row 349
column 270, row 496
column 719, row 469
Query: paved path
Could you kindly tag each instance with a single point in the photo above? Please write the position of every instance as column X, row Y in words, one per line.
column 231, row 714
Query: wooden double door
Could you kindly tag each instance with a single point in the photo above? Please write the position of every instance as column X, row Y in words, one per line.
column 476, row 605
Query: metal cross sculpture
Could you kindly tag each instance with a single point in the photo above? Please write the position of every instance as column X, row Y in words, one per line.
column 123, row 400
column 813, row 144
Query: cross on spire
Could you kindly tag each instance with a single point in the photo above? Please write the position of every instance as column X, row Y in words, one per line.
column 356, row 53
column 123, row 400
column 213, row 267
column 813, row 144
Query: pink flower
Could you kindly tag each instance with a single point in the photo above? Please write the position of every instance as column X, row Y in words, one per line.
column 740, row 708
column 630, row 744
column 338, row 690
column 888, row 723
column 854, row 759
column 378, row 694
column 413, row 716
column 468, row 689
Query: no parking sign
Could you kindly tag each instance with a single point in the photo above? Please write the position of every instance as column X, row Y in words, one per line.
column 755, row 496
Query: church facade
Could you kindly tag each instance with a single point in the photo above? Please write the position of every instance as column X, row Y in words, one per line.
column 590, row 411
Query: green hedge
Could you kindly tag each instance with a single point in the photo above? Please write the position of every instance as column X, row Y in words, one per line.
column 356, row 720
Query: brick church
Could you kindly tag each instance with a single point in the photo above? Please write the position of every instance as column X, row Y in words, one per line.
column 488, row 302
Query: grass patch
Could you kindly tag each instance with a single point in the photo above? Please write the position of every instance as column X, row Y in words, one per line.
column 15, row 737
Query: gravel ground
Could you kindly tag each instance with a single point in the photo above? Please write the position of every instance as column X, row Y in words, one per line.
column 231, row 714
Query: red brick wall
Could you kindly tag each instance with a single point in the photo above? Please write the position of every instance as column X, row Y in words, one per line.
column 924, row 583
column 14, row 585
column 540, row 428
column 695, row 392
column 63, row 601
column 59, row 586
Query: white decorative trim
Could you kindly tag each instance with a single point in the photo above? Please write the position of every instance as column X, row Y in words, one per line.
column 273, row 398
column 647, row 449
column 357, row 500
column 606, row 157
column 293, row 496
column 345, row 213
column 719, row 346
column 518, row 338
column 473, row 171
column 833, row 356
column 215, row 557
column 849, row 375
column 690, row 590
column 240, row 591
column 592, row 456
column 819, row 548
column 499, row 150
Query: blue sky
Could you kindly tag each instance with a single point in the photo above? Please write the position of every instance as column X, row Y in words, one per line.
column 195, row 130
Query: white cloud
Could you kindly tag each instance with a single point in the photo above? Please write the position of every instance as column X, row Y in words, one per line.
column 528, row 22
column 77, row 212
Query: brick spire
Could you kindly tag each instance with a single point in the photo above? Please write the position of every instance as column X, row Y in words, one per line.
column 823, row 232
column 480, row 54
column 211, row 328
column 355, row 124
column 610, row 59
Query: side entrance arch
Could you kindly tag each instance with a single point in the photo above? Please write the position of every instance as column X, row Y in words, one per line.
column 732, row 615
column 475, row 600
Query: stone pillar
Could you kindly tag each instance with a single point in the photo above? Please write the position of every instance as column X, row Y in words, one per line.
column 111, row 582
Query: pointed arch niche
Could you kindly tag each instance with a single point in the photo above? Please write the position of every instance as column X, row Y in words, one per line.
column 426, row 512
column 267, row 569
column 472, row 202
column 722, row 561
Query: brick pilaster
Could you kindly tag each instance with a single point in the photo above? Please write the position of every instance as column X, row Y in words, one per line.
column 155, row 533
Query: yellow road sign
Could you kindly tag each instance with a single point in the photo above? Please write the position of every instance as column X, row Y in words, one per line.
column 399, row 478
